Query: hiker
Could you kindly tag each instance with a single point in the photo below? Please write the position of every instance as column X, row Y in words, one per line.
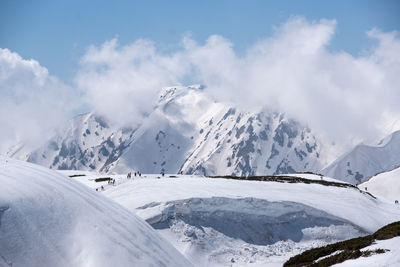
column 102, row 188
column 140, row 174
column 366, row 189
column 113, row 182
column 135, row 174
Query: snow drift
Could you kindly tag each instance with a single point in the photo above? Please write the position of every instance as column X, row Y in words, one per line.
column 46, row 219
column 217, row 222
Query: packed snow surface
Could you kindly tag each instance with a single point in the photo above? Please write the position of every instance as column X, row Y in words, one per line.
column 215, row 221
column 47, row 219
column 385, row 185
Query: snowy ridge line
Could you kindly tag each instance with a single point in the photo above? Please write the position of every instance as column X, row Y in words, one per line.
column 385, row 171
column 365, row 161
column 288, row 179
column 292, row 180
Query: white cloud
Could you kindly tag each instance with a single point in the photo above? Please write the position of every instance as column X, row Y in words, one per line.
column 344, row 97
column 123, row 83
column 32, row 102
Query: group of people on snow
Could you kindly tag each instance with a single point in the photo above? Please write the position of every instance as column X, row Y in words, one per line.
column 111, row 181
column 129, row 176
column 100, row 189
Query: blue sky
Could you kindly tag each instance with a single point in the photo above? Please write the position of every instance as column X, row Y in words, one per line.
column 57, row 33
column 332, row 65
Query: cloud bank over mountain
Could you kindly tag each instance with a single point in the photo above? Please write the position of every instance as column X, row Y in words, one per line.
column 32, row 102
column 346, row 98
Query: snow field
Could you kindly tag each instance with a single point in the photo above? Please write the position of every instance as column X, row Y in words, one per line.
column 347, row 203
column 225, row 222
column 47, row 219
column 385, row 185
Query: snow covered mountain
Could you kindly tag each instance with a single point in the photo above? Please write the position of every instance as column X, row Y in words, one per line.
column 363, row 161
column 186, row 132
column 47, row 219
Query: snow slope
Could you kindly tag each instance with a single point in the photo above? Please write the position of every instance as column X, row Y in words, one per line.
column 363, row 161
column 385, row 185
column 390, row 258
column 186, row 132
column 215, row 221
column 47, row 219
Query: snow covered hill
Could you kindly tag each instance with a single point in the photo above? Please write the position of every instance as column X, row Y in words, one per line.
column 385, row 185
column 186, row 132
column 224, row 222
column 363, row 161
column 47, row 219
column 378, row 249
column 390, row 257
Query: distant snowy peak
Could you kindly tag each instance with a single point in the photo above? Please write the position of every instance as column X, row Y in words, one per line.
column 363, row 161
column 187, row 132
column 245, row 143
column 86, row 142
column 168, row 93
column 195, row 134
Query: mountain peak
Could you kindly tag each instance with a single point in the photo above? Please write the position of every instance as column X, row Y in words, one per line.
column 168, row 93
